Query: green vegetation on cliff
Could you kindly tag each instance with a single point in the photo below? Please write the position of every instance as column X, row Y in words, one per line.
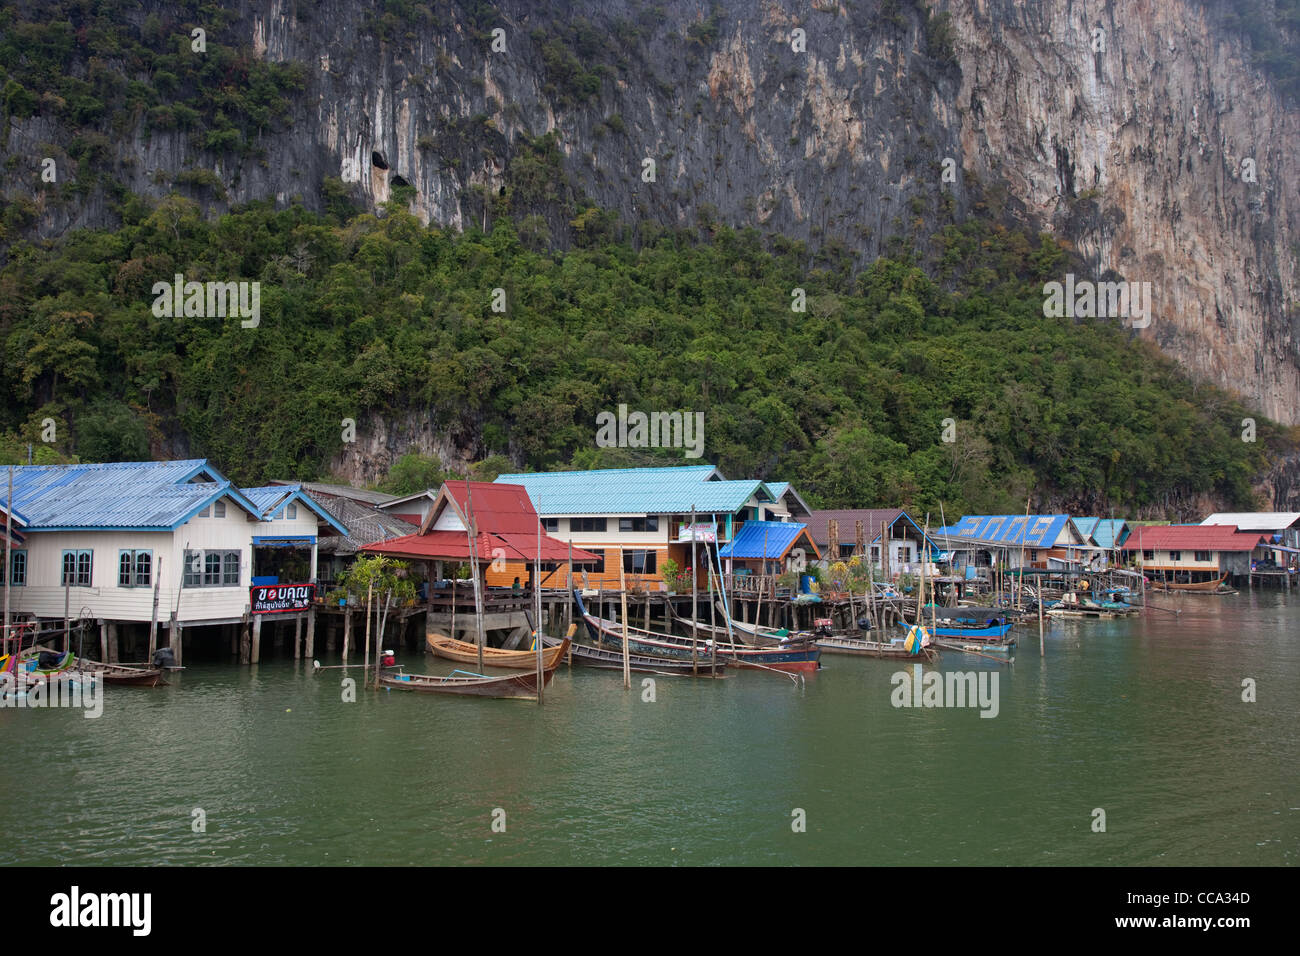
column 379, row 316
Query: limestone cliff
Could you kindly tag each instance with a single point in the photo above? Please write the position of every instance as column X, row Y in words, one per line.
column 1138, row 130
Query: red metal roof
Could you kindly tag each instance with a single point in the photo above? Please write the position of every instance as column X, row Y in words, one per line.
column 506, row 522
column 1191, row 537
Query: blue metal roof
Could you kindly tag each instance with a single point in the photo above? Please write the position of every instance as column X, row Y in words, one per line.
column 136, row 495
column 1105, row 532
column 271, row 500
column 1038, row 531
column 633, row 491
column 143, row 495
column 764, row 539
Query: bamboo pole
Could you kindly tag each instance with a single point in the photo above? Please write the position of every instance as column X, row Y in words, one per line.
column 347, row 628
column 537, row 592
column 365, row 651
column 1024, row 533
column 153, row 619
column 471, row 533
column 695, row 620
column 622, row 586
column 379, row 636
column 9, row 565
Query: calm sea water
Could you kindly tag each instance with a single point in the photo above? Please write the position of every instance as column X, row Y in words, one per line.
column 1143, row 719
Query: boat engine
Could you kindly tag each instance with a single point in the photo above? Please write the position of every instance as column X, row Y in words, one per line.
column 864, row 623
column 164, row 657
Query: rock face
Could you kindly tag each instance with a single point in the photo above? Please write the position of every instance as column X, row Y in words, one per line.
column 1135, row 129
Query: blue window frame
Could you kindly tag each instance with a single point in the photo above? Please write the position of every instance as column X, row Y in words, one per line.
column 134, row 569
column 18, row 567
column 76, row 568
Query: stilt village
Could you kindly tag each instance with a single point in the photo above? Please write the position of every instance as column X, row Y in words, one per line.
column 126, row 570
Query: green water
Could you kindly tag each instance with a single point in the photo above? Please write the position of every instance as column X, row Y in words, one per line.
column 1141, row 718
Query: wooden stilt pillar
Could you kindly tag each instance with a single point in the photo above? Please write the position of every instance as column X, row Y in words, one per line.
column 176, row 638
column 347, row 631
column 103, row 641
column 297, row 637
column 311, row 631
column 245, row 642
column 256, row 654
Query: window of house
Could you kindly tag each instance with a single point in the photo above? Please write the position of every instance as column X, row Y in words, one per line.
column 291, row 512
column 875, row 553
column 204, row 512
column 134, row 569
column 1148, row 555
column 587, row 524
column 1202, row 556
column 211, row 569
column 639, row 562
column 598, row 566
column 902, row 553
column 18, row 568
column 230, row 569
column 846, row 550
column 1175, row 555
column 1033, row 555
column 648, row 523
column 551, row 525
column 76, row 568
column 219, row 509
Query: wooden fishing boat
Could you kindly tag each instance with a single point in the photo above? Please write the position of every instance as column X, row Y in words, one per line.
column 839, row 644
column 608, row 658
column 761, row 636
column 465, row 652
column 132, row 675
column 800, row 655
column 41, row 661
column 521, row 686
column 1203, row 586
column 1074, row 605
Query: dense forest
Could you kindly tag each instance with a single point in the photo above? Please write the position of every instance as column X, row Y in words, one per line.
column 365, row 315
column 510, row 339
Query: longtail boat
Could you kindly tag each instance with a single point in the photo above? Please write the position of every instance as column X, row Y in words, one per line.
column 521, row 686
column 801, row 655
column 133, row 675
column 608, row 658
column 840, row 644
column 1205, row 586
column 762, row 636
column 466, row 652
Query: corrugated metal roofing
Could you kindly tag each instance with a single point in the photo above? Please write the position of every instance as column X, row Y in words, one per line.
column 160, row 495
column 1039, row 531
column 779, row 489
column 319, row 489
column 1103, row 531
column 505, row 521
column 365, row 525
column 1255, row 520
column 1192, row 537
column 765, row 539
column 873, row 519
column 272, row 500
column 636, row 491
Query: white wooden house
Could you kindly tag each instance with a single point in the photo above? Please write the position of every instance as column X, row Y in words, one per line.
column 105, row 541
